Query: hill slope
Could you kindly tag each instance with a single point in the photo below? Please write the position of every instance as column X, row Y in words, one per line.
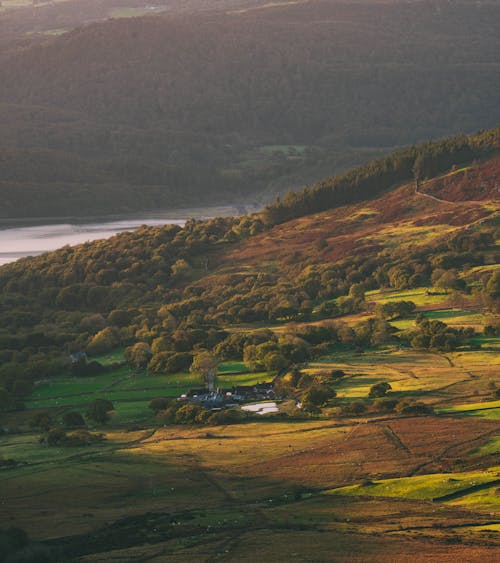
column 378, row 318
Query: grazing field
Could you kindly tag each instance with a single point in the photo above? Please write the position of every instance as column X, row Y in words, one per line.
column 131, row 392
column 425, row 487
column 410, row 374
column 488, row 409
column 375, row 485
column 192, row 488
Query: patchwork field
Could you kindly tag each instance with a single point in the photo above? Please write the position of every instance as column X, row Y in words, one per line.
column 372, row 486
column 186, row 487
column 131, row 392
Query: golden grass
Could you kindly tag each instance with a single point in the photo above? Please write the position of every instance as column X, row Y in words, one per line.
column 406, row 233
column 423, row 487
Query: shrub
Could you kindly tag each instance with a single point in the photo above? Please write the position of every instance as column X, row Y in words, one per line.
column 379, row 389
column 355, row 408
column 228, row 416
column 42, row 420
column 167, row 416
column 384, row 405
column 316, row 396
column 59, row 438
column 187, row 414
column 99, row 409
column 409, row 407
column 159, row 404
column 73, row 419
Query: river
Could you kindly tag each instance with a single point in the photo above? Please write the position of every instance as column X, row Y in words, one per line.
column 29, row 238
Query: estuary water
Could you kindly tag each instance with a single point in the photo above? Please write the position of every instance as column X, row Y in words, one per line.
column 24, row 238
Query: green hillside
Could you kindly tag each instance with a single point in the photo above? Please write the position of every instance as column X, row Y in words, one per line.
column 369, row 331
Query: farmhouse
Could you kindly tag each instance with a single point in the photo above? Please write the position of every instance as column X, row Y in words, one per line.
column 227, row 397
column 77, row 357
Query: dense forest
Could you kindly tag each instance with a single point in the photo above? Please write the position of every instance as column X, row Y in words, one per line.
column 160, row 111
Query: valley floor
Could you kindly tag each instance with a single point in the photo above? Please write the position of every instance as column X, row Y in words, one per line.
column 367, row 488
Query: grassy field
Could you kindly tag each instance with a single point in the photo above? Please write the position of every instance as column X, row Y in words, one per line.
column 198, row 486
column 488, row 409
column 372, row 485
column 131, row 392
column 417, row 295
column 410, row 373
column 423, row 487
column 111, row 357
column 207, row 492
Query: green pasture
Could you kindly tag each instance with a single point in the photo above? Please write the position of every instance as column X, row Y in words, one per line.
column 232, row 367
column 68, row 391
column 487, row 499
column 27, row 448
column 129, row 392
column 488, row 409
column 412, row 374
column 59, row 387
column 452, row 317
column 491, row 447
column 178, row 383
column 486, row 341
column 128, row 412
column 113, row 357
column 417, row 295
column 421, row 487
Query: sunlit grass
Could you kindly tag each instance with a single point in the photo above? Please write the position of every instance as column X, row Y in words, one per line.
column 110, row 357
column 232, row 367
column 422, row 487
column 410, row 373
column 491, row 447
column 487, row 500
column 452, row 317
column 417, row 295
column 488, row 409
column 406, row 233
column 236, row 446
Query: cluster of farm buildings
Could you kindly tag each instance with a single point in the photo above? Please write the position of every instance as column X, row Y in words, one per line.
column 225, row 398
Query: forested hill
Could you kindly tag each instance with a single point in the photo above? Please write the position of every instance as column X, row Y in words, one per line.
column 186, row 286
column 418, row 163
column 146, row 112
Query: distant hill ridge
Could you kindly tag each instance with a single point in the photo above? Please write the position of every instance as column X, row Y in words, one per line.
column 141, row 113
